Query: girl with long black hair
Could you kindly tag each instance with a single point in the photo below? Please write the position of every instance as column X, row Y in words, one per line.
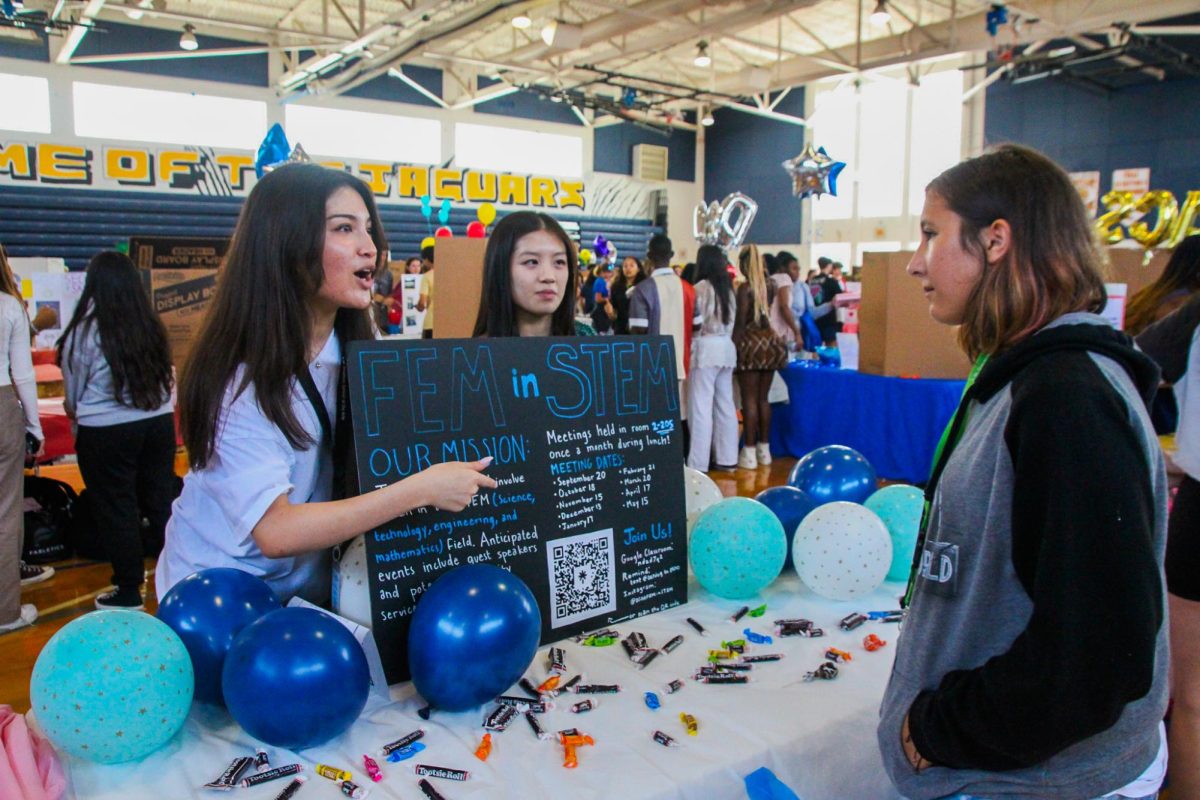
column 118, row 379
column 258, row 393
column 711, row 415
column 529, row 274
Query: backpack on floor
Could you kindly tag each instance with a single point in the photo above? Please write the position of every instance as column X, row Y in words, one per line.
column 48, row 508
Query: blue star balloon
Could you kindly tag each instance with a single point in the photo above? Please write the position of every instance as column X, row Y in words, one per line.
column 273, row 150
column 813, row 172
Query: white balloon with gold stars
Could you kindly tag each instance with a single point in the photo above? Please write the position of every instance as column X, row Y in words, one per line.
column 699, row 493
column 351, row 591
column 842, row 550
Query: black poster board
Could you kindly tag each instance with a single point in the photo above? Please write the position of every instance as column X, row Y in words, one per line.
column 586, row 437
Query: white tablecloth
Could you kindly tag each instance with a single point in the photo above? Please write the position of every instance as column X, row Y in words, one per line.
column 818, row 738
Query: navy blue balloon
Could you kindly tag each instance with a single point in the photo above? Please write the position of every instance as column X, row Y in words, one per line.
column 832, row 473
column 296, row 678
column 791, row 506
column 473, row 635
column 208, row 609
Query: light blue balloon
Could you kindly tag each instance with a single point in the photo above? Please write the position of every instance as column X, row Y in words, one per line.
column 900, row 507
column 737, row 548
column 112, row 686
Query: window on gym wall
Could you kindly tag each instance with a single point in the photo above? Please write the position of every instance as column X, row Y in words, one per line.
column 517, row 150
column 902, row 136
column 152, row 115
column 881, row 151
column 833, row 125
column 936, row 132
column 364, row 134
column 26, row 105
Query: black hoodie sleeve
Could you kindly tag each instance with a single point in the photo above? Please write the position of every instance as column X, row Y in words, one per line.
column 1083, row 515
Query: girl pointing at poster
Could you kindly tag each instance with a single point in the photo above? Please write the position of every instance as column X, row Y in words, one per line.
column 258, row 394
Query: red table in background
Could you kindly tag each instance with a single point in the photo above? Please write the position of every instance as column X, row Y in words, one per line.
column 47, row 356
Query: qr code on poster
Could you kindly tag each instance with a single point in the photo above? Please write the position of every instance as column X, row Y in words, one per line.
column 583, row 580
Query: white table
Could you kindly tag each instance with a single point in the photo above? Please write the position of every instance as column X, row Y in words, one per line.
column 818, row 738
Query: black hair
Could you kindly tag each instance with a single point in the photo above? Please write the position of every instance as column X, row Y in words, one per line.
column 660, row 250
column 713, row 266
column 132, row 337
column 497, row 312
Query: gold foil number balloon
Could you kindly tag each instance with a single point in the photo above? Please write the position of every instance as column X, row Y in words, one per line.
column 1185, row 223
column 1167, row 208
column 1118, row 205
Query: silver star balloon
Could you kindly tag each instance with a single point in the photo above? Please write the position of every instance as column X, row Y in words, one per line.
column 813, row 172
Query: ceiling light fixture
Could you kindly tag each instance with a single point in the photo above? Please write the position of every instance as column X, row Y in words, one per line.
column 188, row 40
column 881, row 16
column 707, row 120
column 521, row 22
column 702, row 58
column 560, row 35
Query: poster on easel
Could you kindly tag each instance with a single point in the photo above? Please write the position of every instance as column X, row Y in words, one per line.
column 585, row 438
column 412, row 321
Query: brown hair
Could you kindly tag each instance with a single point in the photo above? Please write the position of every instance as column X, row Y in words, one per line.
column 1054, row 263
column 1181, row 273
column 257, row 332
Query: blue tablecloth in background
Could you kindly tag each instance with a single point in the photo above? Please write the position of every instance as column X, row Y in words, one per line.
column 894, row 422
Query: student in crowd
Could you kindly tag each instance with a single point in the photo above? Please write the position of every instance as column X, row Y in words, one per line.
column 1033, row 658
column 631, row 275
column 601, row 297
column 1179, row 282
column 666, row 304
column 1175, row 344
column 414, row 266
column 713, row 420
column 529, row 274
column 760, row 352
column 425, row 297
column 118, row 382
column 802, row 305
column 831, row 287
column 783, row 321
column 20, row 437
column 258, row 393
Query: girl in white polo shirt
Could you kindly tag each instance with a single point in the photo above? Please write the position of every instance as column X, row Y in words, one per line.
column 259, row 392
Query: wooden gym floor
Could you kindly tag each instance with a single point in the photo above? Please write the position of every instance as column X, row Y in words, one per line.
column 70, row 593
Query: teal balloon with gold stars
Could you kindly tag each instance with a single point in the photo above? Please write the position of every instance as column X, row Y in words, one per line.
column 112, row 686
column 737, row 547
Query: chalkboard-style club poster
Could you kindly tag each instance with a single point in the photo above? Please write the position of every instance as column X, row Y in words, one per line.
column 587, row 449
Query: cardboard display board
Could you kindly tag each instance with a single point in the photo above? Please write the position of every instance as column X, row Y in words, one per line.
column 181, row 297
column 1125, row 265
column 585, row 433
column 895, row 332
column 177, row 252
column 457, row 287
column 181, row 275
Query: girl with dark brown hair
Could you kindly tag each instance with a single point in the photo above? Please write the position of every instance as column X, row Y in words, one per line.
column 258, row 393
column 1033, row 658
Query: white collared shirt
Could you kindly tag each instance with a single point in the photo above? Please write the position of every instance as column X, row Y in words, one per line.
column 213, row 520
